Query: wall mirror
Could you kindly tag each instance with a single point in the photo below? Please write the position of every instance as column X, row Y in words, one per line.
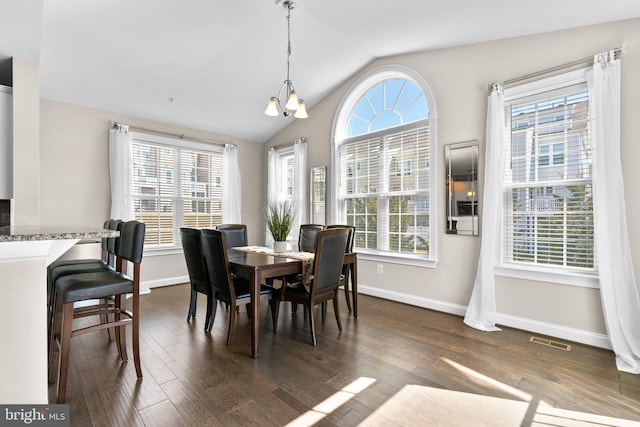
column 461, row 162
column 317, row 195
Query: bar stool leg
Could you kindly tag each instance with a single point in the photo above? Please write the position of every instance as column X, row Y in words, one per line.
column 65, row 348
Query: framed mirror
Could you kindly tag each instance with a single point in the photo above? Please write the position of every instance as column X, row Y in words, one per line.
column 461, row 161
column 317, row 195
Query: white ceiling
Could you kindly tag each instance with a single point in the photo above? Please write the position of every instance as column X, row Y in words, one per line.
column 212, row 65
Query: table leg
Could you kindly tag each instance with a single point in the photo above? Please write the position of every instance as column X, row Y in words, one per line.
column 255, row 314
column 354, row 288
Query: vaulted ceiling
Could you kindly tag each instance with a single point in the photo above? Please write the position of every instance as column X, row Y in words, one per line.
column 212, row 65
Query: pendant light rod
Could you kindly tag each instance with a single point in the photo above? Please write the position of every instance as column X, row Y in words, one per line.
column 293, row 103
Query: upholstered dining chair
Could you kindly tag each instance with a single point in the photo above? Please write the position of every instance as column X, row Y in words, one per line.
column 198, row 277
column 231, row 290
column 308, row 237
column 323, row 286
column 234, row 234
column 307, row 240
column 98, row 286
column 344, row 277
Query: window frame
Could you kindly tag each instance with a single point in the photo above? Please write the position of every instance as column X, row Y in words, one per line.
column 542, row 272
column 178, row 146
column 339, row 128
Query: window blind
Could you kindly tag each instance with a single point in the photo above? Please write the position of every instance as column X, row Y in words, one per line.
column 384, row 190
column 172, row 187
column 548, row 209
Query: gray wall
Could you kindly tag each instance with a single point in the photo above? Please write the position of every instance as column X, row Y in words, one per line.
column 74, row 176
column 458, row 78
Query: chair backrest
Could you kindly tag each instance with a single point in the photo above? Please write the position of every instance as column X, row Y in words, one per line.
column 113, row 243
column 105, row 240
column 131, row 242
column 234, row 234
column 328, row 262
column 351, row 233
column 308, row 238
column 192, row 248
column 214, row 251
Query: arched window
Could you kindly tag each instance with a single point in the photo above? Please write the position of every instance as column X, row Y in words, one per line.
column 383, row 133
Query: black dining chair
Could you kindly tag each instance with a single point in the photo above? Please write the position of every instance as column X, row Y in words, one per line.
column 234, row 234
column 198, row 277
column 308, row 237
column 74, row 288
column 231, row 290
column 344, row 277
column 307, row 242
column 323, row 286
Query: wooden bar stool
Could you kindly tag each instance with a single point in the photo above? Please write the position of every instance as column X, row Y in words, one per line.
column 98, row 286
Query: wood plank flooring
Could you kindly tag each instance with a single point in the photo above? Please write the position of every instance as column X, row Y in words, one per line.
column 396, row 364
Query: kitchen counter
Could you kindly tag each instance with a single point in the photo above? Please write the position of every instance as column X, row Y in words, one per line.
column 25, row 253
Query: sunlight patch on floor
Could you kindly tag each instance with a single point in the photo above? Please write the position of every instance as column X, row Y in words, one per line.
column 332, row 403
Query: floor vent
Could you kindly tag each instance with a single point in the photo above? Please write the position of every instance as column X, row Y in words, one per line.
column 549, row 343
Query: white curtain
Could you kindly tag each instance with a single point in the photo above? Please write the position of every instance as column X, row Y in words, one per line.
column 300, row 188
column 272, row 186
column 481, row 310
column 231, row 186
column 618, row 289
column 119, row 172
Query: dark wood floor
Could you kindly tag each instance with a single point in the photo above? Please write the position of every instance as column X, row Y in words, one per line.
column 396, row 364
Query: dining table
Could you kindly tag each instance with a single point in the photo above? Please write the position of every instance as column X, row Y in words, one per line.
column 256, row 264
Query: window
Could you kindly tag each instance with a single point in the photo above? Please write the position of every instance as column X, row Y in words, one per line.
column 548, row 212
column 382, row 168
column 174, row 184
column 287, row 170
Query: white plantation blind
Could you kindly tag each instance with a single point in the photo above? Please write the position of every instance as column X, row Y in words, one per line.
column 548, row 203
column 175, row 186
column 384, row 190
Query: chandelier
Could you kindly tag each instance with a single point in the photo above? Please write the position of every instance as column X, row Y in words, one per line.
column 287, row 91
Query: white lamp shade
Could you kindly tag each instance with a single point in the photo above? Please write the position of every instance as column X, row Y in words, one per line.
column 272, row 109
column 292, row 103
column 301, row 113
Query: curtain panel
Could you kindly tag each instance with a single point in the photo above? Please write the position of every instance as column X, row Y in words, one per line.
column 618, row 288
column 231, row 186
column 481, row 310
column 120, row 173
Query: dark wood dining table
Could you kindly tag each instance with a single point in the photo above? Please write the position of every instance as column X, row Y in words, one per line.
column 257, row 267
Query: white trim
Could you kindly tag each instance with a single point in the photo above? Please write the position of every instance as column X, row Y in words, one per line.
column 338, row 127
column 558, row 331
column 174, row 142
column 564, row 332
column 402, row 259
column 155, row 251
column 540, row 275
column 545, row 85
column 168, row 281
column 417, row 301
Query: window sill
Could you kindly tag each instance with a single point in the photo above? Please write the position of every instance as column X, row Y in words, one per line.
column 583, row 280
column 174, row 250
column 415, row 261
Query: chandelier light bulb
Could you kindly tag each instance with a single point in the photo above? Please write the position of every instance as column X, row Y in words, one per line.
column 275, row 107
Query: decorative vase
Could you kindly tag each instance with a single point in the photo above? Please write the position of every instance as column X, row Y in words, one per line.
column 280, row 247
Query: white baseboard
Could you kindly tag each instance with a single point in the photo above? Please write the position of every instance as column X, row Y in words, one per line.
column 158, row 283
column 549, row 329
column 431, row 304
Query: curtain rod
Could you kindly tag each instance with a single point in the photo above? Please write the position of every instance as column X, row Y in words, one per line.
column 584, row 61
column 116, row 125
column 289, row 144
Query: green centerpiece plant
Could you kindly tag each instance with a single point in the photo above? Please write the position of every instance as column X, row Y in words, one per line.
column 279, row 217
